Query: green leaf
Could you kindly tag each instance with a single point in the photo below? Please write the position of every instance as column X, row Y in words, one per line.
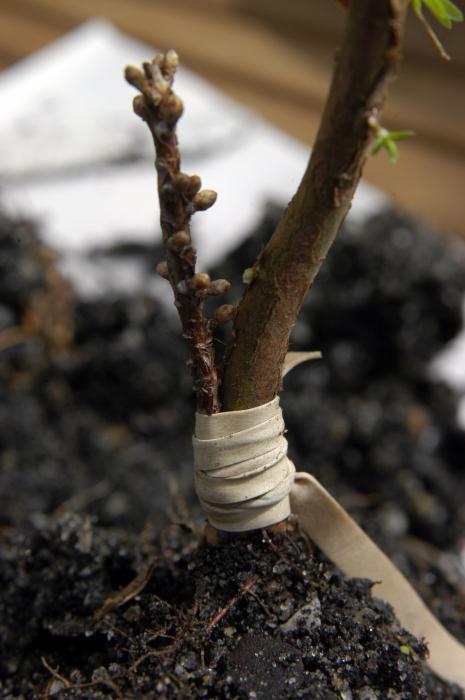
column 393, row 151
column 401, row 135
column 453, row 11
column 378, row 145
column 436, row 7
column 386, row 139
column 445, row 11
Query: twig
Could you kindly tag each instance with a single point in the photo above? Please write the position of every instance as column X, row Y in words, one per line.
column 155, row 652
column 250, row 583
column 260, row 602
column 55, row 674
column 433, row 36
column 117, row 630
column 180, row 197
column 136, row 586
column 367, row 62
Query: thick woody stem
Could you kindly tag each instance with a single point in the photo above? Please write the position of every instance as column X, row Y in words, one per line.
column 180, row 196
column 366, row 64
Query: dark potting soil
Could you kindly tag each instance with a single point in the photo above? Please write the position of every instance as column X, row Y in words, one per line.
column 100, row 426
column 246, row 619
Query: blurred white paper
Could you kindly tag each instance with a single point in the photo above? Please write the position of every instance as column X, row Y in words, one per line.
column 75, row 156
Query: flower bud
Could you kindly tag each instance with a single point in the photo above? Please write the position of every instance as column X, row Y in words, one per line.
column 248, row 275
column 204, row 199
column 189, row 185
column 162, row 269
column 171, row 58
column 178, row 241
column 193, row 186
column 154, row 75
column 199, row 281
column 224, row 313
column 135, row 77
column 170, row 64
column 139, row 106
column 218, row 287
column 147, row 66
column 171, row 109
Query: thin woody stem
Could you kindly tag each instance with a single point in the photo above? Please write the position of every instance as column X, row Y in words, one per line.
column 180, row 196
column 366, row 64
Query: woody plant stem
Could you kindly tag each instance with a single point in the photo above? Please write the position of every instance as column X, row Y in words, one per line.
column 366, row 64
column 251, row 375
column 180, row 197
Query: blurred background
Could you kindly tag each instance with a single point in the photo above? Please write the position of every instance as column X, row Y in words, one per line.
column 276, row 58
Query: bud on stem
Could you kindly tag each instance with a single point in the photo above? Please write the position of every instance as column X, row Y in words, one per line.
column 189, row 185
column 223, row 314
column 199, row 281
column 178, row 241
column 204, row 200
column 218, row 287
column 162, row 270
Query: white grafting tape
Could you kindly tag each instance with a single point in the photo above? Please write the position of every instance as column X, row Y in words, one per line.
column 242, row 474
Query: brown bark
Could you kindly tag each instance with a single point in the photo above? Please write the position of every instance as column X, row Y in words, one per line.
column 180, row 197
column 367, row 62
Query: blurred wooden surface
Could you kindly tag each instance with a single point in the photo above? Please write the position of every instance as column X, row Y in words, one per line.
column 276, row 58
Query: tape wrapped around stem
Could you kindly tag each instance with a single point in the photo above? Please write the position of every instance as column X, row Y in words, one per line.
column 245, row 481
column 243, row 476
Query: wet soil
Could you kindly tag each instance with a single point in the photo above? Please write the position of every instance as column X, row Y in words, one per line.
column 107, row 587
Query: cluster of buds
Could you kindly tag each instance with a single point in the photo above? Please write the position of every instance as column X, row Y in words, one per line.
column 180, row 197
column 203, row 286
column 155, row 83
column 187, row 185
column 195, row 198
column 199, row 283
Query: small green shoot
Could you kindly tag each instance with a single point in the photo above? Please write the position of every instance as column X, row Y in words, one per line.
column 445, row 11
column 248, row 275
column 387, row 139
